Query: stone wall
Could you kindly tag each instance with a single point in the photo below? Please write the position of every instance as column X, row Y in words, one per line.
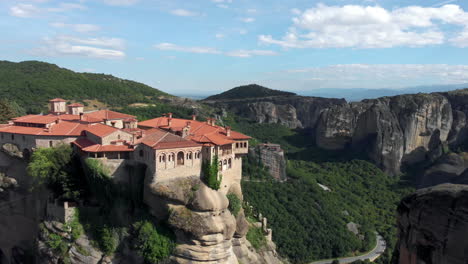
column 60, row 211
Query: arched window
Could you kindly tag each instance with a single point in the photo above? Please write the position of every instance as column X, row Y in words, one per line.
column 180, row 158
column 118, row 137
column 229, row 163
column 237, row 145
column 245, row 144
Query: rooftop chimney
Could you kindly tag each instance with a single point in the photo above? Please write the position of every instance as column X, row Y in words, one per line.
column 228, row 131
column 194, row 117
column 81, row 116
column 169, row 121
column 169, row 115
column 213, row 121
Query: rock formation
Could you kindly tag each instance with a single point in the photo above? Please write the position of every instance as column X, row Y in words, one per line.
column 391, row 131
column 272, row 157
column 433, row 226
column 206, row 230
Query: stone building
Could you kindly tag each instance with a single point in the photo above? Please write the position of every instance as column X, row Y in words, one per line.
column 169, row 147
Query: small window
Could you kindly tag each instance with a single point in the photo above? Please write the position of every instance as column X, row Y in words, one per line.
column 24, row 138
column 51, row 143
column 12, row 136
column 118, row 137
column 141, row 153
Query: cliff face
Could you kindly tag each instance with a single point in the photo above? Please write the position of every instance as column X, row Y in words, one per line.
column 205, row 229
column 291, row 111
column 390, row 130
column 433, row 226
column 272, row 157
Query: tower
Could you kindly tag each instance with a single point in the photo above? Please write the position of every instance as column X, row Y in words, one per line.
column 58, row 106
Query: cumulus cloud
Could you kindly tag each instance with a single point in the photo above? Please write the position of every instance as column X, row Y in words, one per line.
column 63, row 45
column 209, row 50
column 183, row 12
column 355, row 26
column 368, row 75
column 30, row 10
column 81, row 28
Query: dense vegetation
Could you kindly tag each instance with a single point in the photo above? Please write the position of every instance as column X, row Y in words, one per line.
column 8, row 110
column 118, row 214
column 211, row 176
column 308, row 222
column 31, row 84
column 248, row 91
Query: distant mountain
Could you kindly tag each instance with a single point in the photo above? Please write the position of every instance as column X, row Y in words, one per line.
column 32, row 83
column 248, row 91
column 358, row 94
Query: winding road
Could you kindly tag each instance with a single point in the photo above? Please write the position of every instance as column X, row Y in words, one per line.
column 371, row 255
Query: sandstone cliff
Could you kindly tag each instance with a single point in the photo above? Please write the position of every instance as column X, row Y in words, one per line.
column 433, row 226
column 272, row 157
column 206, row 230
column 391, row 131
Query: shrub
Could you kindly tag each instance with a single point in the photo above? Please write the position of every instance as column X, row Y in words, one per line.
column 57, row 244
column 210, row 172
column 256, row 237
column 108, row 240
column 235, row 203
column 152, row 245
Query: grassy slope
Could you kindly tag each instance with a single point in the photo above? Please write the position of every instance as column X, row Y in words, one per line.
column 31, row 84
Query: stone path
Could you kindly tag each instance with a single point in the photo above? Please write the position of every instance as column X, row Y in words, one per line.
column 371, row 255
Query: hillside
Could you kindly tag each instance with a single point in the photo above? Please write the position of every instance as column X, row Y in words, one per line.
column 31, row 83
column 248, row 91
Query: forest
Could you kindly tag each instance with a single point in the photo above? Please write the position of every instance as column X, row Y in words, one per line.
column 308, row 222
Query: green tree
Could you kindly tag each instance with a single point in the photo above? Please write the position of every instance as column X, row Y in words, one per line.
column 235, row 203
column 9, row 109
column 151, row 244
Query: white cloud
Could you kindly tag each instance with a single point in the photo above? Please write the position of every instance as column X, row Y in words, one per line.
column 62, row 45
column 250, row 53
column 222, row 6
column 30, row 10
column 221, row 1
column 183, row 12
column 243, row 31
column 23, row 10
column 173, row 47
column 209, row 50
column 220, row 36
column 461, row 40
column 81, row 28
column 247, row 19
column 364, row 75
column 121, row 2
column 251, row 10
column 354, row 26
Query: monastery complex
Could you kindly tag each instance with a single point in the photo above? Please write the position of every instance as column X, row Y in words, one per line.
column 169, row 147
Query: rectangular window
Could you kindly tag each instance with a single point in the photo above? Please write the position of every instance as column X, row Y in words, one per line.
column 12, row 136
column 51, row 143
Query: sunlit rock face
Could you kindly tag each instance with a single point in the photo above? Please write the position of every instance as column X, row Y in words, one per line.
column 433, row 226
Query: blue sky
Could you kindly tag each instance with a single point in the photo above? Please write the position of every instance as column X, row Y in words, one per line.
column 207, row 46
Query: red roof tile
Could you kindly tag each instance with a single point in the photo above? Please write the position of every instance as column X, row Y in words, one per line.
column 36, row 119
column 160, row 139
column 200, row 132
column 89, row 146
column 100, row 130
column 57, row 100
column 64, row 128
column 75, row 105
column 108, row 115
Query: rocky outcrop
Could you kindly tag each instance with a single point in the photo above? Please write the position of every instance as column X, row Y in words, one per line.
column 433, row 226
column 205, row 229
column 272, row 157
column 292, row 111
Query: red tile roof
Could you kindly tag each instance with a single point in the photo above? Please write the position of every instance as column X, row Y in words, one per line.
column 36, row 119
column 100, row 130
column 200, row 132
column 108, row 115
column 57, row 100
column 160, row 139
column 64, row 128
column 75, row 105
column 89, row 146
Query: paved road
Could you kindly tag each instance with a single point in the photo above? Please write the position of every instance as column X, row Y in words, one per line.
column 372, row 255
